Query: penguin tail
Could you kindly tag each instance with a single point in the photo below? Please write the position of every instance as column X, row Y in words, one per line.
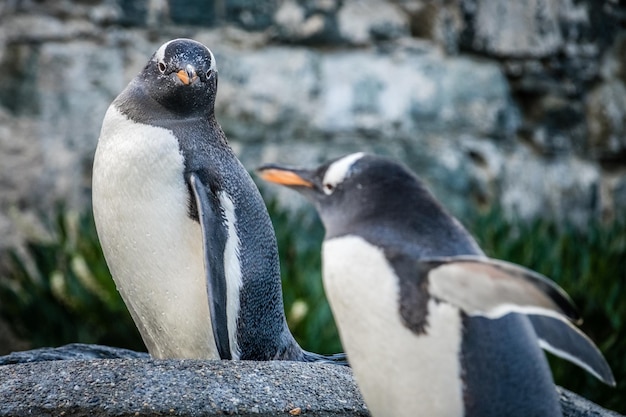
column 335, row 359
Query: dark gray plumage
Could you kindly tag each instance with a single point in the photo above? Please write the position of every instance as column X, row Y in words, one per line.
column 395, row 260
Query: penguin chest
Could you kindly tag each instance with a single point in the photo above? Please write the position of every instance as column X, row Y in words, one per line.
column 399, row 372
column 152, row 247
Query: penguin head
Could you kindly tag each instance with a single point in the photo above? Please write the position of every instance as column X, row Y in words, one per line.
column 356, row 190
column 182, row 77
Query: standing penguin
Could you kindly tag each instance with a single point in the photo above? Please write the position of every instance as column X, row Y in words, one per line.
column 184, row 230
column 431, row 326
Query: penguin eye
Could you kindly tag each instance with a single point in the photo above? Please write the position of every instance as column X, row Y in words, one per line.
column 328, row 188
column 161, row 67
column 209, row 73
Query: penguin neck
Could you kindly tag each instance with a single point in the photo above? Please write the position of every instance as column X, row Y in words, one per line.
column 415, row 224
column 136, row 103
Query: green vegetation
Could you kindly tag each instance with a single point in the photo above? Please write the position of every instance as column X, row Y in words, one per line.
column 60, row 291
column 591, row 266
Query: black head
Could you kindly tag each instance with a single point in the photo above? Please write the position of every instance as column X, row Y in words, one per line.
column 182, row 77
column 359, row 190
column 380, row 200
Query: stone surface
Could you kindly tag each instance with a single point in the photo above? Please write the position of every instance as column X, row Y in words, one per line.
column 363, row 21
column 606, row 108
column 577, row 182
column 306, row 22
column 135, row 387
column 74, row 351
column 147, row 387
column 523, row 28
column 305, row 80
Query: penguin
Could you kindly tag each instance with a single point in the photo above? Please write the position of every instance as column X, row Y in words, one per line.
column 431, row 325
column 184, row 230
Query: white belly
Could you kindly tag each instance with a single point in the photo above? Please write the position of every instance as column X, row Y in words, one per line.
column 153, row 249
column 399, row 373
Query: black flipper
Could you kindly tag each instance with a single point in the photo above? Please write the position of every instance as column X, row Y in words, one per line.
column 566, row 341
column 214, row 237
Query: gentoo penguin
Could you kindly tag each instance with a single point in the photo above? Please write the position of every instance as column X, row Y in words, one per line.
column 431, row 326
column 184, row 230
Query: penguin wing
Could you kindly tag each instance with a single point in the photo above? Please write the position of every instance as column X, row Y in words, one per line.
column 491, row 288
column 486, row 287
column 566, row 341
column 214, row 237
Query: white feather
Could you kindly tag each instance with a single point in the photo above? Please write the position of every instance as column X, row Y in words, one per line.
column 232, row 270
column 338, row 170
column 159, row 55
column 153, row 249
column 400, row 373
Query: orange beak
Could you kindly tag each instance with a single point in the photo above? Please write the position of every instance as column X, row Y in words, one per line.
column 283, row 177
column 187, row 75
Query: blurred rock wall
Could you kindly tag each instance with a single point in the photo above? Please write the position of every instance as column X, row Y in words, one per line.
column 518, row 103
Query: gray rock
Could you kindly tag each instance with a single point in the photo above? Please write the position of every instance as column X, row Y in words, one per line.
column 180, row 387
column 568, row 187
column 551, row 51
column 307, row 22
column 606, row 112
column 22, row 172
column 146, row 387
column 75, row 84
column 41, row 28
column 74, row 351
column 366, row 84
column 283, row 113
column 574, row 405
column 614, row 61
column 520, row 28
column 558, row 125
column 250, row 14
column 438, row 21
column 617, row 190
column 539, row 28
column 134, row 12
column 193, row 12
column 362, row 22
column 358, row 94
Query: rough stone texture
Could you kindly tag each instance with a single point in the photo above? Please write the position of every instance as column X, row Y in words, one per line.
column 133, row 387
column 361, row 21
column 305, row 80
column 547, row 92
column 573, row 405
column 523, row 28
column 147, row 387
column 73, row 351
column 606, row 108
column 552, row 52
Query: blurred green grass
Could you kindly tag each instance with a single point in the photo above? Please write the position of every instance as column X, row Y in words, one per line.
column 59, row 290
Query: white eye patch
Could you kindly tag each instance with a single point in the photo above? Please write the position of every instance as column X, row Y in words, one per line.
column 338, row 171
column 213, row 63
column 159, row 55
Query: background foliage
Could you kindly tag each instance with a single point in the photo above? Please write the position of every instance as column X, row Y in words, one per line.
column 59, row 290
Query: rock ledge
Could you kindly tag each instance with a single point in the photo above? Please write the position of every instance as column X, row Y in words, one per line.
column 148, row 387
